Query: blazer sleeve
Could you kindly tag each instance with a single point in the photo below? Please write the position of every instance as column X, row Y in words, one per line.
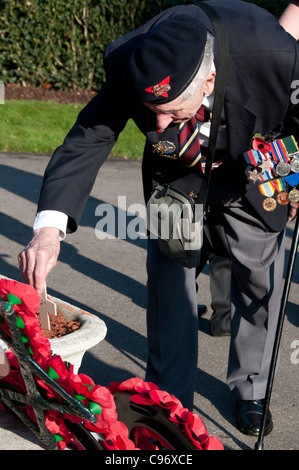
column 72, row 170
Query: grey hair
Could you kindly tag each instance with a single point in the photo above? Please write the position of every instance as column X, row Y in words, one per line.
column 203, row 71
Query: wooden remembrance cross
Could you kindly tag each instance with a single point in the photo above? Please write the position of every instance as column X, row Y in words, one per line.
column 46, row 307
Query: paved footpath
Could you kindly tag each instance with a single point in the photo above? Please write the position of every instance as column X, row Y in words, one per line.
column 108, row 278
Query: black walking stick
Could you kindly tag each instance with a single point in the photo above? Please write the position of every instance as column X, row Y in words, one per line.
column 284, row 300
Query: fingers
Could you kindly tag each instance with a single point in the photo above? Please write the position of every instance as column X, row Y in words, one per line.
column 293, row 211
column 39, row 257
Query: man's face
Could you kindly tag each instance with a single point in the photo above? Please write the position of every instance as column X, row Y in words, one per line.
column 180, row 110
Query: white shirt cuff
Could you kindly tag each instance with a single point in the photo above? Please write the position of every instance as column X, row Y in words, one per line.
column 52, row 219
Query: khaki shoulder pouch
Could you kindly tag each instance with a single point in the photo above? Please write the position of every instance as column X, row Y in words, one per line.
column 176, row 221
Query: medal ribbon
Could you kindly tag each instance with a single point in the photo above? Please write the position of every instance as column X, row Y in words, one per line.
column 267, row 189
column 290, row 144
column 292, row 180
column 253, row 157
column 268, row 175
column 214, row 165
column 280, row 184
column 279, row 151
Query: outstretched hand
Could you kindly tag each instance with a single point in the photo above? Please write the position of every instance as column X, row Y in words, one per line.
column 39, row 257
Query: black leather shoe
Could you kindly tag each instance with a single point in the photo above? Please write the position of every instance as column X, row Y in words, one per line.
column 250, row 414
column 201, row 309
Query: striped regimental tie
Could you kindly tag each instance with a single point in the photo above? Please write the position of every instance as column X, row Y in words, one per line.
column 190, row 153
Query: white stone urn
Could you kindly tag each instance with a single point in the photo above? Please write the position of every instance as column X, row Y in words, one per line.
column 72, row 347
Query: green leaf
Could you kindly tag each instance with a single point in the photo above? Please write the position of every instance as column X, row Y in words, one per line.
column 13, row 299
column 25, row 338
column 80, row 397
column 53, row 374
column 95, row 408
column 20, row 323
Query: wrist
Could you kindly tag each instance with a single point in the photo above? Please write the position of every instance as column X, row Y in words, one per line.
column 52, row 219
column 53, row 232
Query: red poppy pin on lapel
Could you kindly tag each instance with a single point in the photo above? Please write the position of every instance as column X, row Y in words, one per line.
column 161, row 88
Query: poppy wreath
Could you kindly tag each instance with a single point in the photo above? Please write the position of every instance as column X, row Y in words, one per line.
column 113, row 434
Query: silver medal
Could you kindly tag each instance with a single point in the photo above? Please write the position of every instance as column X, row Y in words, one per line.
column 283, row 169
column 294, row 154
column 294, row 164
column 294, row 195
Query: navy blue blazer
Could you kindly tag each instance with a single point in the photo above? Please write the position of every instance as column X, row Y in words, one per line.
column 263, row 68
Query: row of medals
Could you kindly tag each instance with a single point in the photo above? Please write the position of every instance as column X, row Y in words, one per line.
column 283, row 169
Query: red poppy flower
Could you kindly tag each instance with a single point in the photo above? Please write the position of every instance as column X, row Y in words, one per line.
column 119, row 435
column 57, row 370
column 25, row 301
column 26, row 293
column 144, row 442
column 259, row 144
column 213, row 444
column 102, row 394
column 164, row 399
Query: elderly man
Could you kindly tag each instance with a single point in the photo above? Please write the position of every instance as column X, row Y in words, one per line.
column 160, row 75
column 218, row 256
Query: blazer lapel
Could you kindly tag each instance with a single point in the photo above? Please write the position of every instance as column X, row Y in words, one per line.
column 239, row 111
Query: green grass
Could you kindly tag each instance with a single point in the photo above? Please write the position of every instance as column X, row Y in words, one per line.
column 40, row 127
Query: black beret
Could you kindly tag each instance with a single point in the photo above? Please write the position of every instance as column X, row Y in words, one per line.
column 166, row 59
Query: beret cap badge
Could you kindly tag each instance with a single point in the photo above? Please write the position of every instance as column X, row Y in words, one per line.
column 161, row 88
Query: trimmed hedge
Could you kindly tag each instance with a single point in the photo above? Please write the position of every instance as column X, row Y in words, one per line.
column 60, row 43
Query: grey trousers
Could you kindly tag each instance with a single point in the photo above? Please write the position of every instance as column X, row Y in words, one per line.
column 257, row 256
column 216, row 251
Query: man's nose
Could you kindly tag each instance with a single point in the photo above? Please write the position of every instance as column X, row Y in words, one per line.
column 163, row 120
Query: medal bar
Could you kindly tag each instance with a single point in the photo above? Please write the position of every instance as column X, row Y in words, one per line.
column 276, row 169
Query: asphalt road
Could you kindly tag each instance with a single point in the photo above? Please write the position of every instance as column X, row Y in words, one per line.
column 108, row 278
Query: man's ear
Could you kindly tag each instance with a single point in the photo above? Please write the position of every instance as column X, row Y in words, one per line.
column 209, row 83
